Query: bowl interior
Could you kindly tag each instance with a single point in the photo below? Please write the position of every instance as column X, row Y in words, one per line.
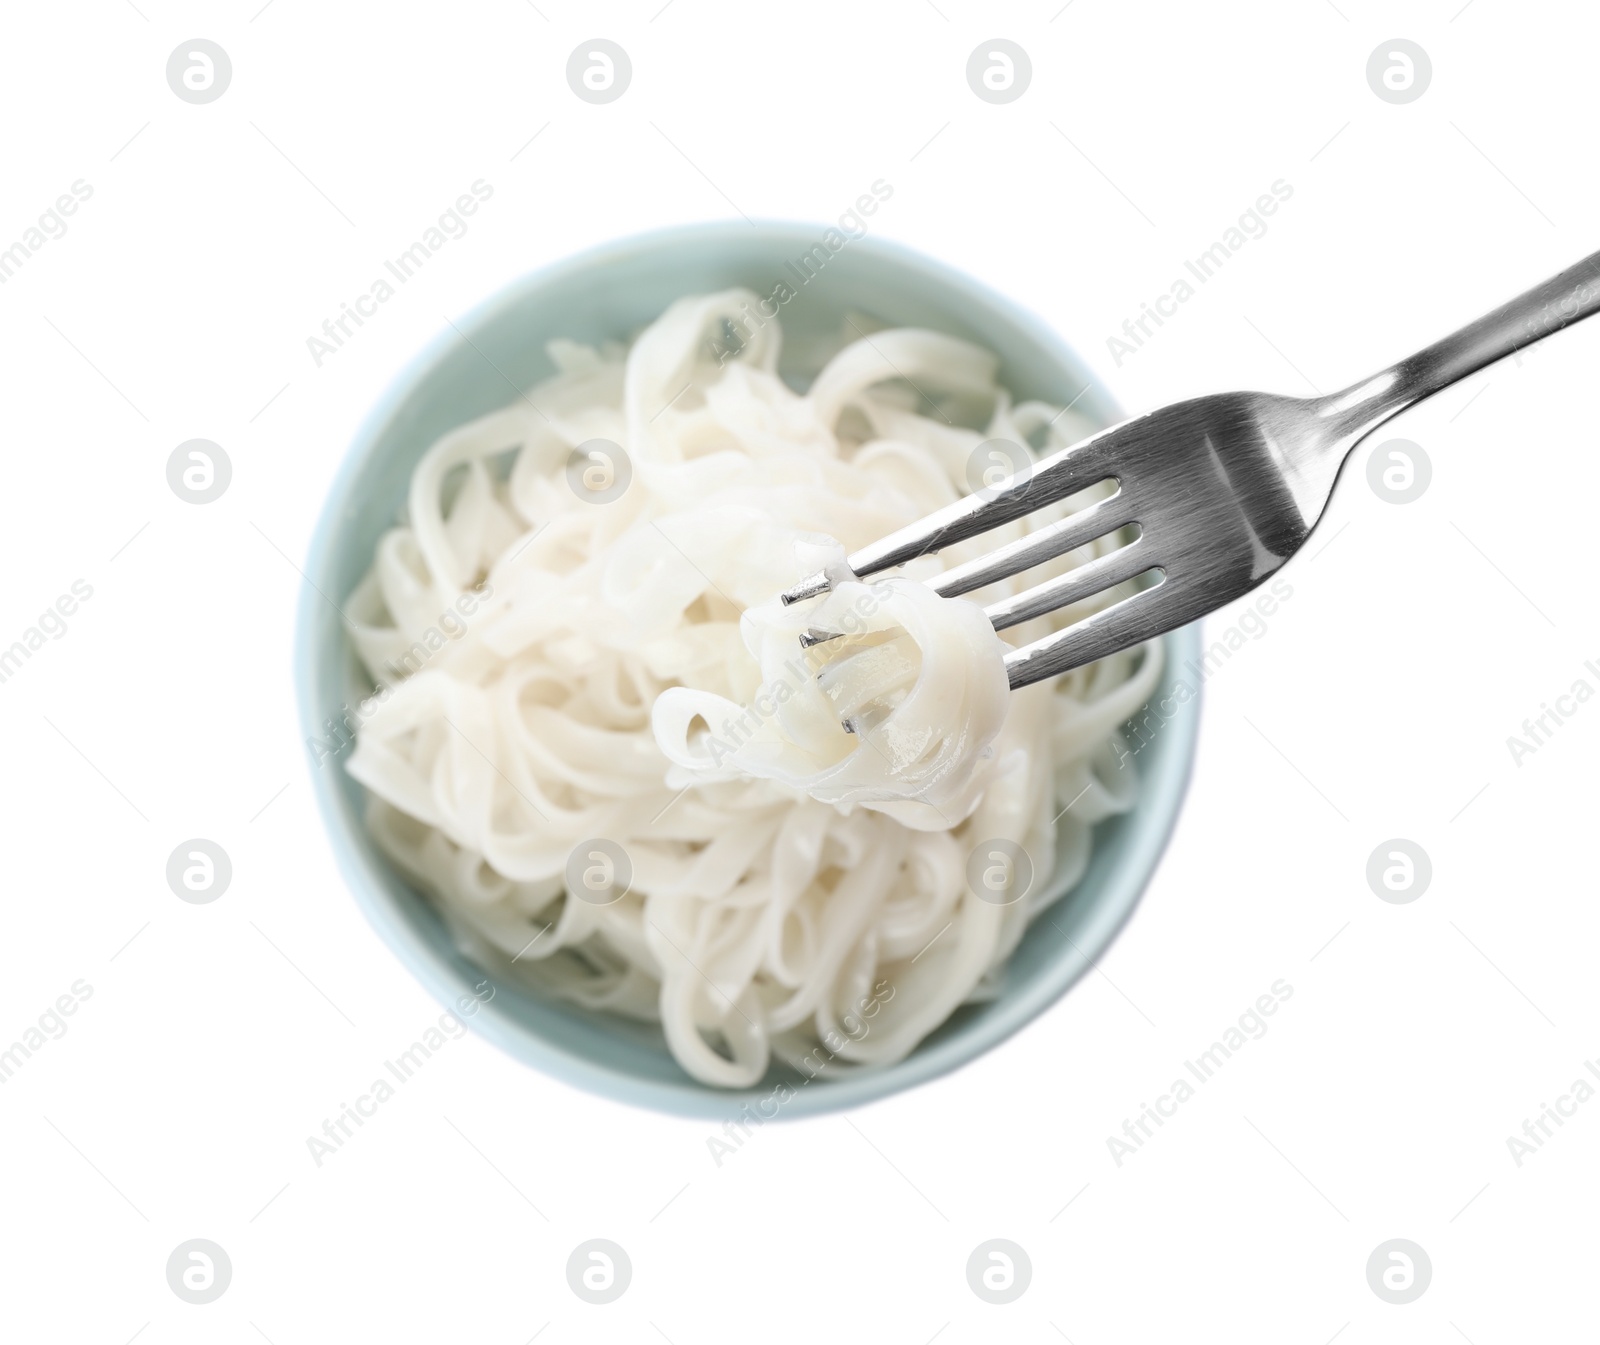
column 481, row 365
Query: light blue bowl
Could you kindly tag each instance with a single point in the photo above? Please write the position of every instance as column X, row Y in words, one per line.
column 610, row 292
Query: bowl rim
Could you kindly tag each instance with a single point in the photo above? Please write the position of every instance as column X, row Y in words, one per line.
column 1154, row 816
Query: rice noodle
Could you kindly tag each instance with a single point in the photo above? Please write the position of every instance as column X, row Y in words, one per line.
column 617, row 674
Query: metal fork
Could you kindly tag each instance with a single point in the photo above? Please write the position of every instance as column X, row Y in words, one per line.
column 1221, row 489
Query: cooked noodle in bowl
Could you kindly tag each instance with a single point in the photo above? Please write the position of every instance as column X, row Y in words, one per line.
column 623, row 779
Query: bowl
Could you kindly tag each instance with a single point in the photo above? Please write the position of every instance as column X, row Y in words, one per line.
column 480, row 364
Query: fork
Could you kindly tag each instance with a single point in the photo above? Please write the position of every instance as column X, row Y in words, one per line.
column 1219, row 491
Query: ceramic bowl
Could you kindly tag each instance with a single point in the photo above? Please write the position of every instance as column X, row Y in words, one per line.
column 480, row 364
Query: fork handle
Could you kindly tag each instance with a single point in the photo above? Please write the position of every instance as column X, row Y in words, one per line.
column 1558, row 302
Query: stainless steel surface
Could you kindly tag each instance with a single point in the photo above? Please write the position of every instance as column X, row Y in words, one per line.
column 1223, row 489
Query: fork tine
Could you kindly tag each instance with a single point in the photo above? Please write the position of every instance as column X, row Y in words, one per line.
column 1142, row 616
column 1053, row 478
column 1074, row 586
column 1056, row 539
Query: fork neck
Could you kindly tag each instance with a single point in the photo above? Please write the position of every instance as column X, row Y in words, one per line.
column 1558, row 302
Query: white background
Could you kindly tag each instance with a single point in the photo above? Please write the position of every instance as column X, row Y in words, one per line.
column 1377, row 704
